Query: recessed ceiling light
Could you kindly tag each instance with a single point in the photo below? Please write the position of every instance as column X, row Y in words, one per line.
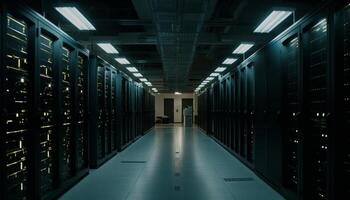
column 271, row 21
column 177, row 93
column 229, row 61
column 132, row 69
column 108, row 48
column 148, row 83
column 214, row 74
column 137, row 74
column 242, row 48
column 143, row 79
column 73, row 15
column 209, row 78
column 122, row 61
column 220, row 69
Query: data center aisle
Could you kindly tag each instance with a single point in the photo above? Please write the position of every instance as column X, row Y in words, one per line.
column 173, row 162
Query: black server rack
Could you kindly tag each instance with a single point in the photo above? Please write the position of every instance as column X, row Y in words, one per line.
column 316, row 97
column 237, row 112
column 292, row 108
column 104, row 111
column 114, row 114
column 242, row 112
column 346, row 105
column 17, row 90
column 148, row 112
column 250, row 112
column 39, row 88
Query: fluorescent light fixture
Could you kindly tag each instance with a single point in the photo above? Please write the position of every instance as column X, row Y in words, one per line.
column 143, row 80
column 177, row 93
column 271, row 21
column 242, row 48
column 204, row 82
column 122, row 61
column 137, row 74
column 214, row 74
column 73, row 15
column 148, row 83
column 220, row 69
column 229, row 61
column 108, row 48
column 132, row 69
column 209, row 78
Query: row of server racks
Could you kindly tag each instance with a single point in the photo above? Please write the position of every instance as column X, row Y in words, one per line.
column 54, row 124
column 117, row 105
column 285, row 111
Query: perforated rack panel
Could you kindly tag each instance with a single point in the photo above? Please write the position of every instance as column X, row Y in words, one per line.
column 17, row 86
column 346, row 97
column 292, row 129
column 316, row 102
column 67, row 113
column 82, row 84
column 46, row 114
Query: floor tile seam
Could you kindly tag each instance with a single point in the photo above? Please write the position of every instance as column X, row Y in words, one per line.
column 141, row 171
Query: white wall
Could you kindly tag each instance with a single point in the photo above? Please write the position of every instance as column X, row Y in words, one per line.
column 159, row 104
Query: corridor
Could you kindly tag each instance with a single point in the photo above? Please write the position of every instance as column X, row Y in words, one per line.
column 172, row 162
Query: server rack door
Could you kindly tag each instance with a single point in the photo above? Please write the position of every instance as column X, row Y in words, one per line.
column 260, row 150
column 46, row 112
column 82, row 112
column 316, row 104
column 242, row 109
column 107, row 103
column 292, row 109
column 346, row 101
column 229, row 111
column 66, row 87
column 100, row 110
column 237, row 111
column 250, row 105
column 233, row 112
column 113, row 110
column 17, row 89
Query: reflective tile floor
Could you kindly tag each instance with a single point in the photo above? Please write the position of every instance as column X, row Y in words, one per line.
column 172, row 162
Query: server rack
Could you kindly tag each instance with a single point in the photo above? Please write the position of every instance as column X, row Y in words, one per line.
column 292, row 109
column 103, row 108
column 148, row 112
column 35, row 80
column 316, row 98
column 343, row 166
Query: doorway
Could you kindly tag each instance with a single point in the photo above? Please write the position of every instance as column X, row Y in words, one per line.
column 186, row 103
column 169, row 109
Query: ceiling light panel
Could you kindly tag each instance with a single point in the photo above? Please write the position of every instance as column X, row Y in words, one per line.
column 143, row 80
column 132, row 69
column 148, row 83
column 73, row 15
column 108, row 48
column 214, row 74
column 122, row 61
column 220, row 69
column 209, row 78
column 271, row 21
column 229, row 61
column 137, row 74
column 242, row 48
